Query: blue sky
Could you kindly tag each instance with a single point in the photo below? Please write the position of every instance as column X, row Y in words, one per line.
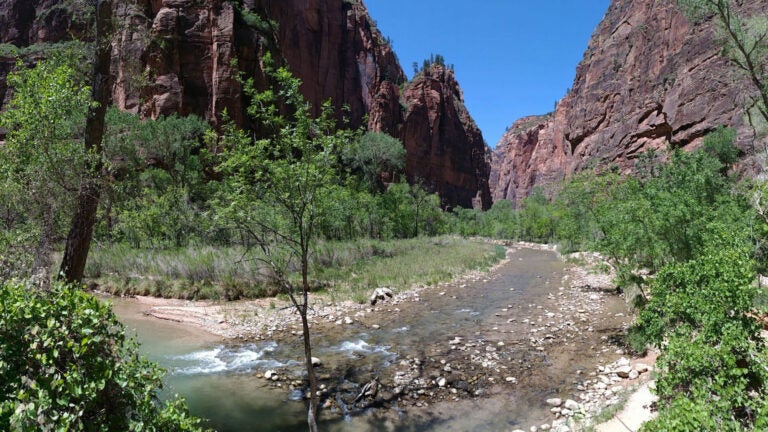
column 513, row 58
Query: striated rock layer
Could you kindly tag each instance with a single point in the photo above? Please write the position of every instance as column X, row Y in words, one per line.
column 649, row 79
column 176, row 56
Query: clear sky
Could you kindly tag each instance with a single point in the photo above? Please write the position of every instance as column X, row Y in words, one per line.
column 512, row 58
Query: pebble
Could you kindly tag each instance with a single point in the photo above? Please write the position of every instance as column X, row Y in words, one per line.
column 623, row 371
column 555, row 402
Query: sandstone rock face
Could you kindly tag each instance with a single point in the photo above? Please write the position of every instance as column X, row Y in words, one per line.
column 175, row 56
column 444, row 146
column 648, row 78
column 337, row 51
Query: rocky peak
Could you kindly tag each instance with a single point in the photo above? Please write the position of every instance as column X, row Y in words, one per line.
column 649, row 79
column 444, row 145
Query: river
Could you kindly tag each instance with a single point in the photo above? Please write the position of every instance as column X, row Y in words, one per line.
column 518, row 322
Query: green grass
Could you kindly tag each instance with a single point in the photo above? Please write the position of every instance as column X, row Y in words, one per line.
column 403, row 263
column 341, row 270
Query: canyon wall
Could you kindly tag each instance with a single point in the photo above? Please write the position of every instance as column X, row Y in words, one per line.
column 177, row 56
column 649, row 79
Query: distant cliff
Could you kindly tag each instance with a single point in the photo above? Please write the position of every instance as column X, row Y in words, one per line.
column 176, row 56
column 648, row 78
column 443, row 143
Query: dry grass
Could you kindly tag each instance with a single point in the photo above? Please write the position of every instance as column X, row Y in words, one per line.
column 346, row 270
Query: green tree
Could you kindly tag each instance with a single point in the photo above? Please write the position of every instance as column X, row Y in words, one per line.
column 719, row 143
column 159, row 194
column 65, row 364
column 89, row 193
column 374, row 154
column 537, row 218
column 277, row 189
column 42, row 158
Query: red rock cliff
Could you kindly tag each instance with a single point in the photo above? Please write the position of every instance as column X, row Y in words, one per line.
column 175, row 56
column 648, row 78
column 444, row 146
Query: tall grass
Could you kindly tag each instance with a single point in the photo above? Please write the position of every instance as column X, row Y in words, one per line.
column 345, row 270
column 401, row 264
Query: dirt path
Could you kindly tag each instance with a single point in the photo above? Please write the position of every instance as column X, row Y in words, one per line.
column 636, row 412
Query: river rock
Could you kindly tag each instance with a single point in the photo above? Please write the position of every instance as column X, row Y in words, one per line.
column 269, row 374
column 633, row 374
column 316, row 362
column 642, row 367
column 623, row 371
column 555, row 402
column 572, row 405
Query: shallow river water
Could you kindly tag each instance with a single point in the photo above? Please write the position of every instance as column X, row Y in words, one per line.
column 218, row 377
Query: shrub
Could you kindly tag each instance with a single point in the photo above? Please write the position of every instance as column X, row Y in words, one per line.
column 713, row 369
column 65, row 364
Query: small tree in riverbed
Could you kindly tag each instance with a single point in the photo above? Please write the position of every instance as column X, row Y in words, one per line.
column 276, row 190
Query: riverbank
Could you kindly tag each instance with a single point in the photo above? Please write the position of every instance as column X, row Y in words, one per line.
column 552, row 344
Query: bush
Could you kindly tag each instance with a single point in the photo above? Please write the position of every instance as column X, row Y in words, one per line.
column 65, row 364
column 713, row 375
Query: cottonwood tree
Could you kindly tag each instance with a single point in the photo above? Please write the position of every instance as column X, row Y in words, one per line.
column 52, row 108
column 276, row 189
column 81, row 228
column 40, row 162
column 373, row 154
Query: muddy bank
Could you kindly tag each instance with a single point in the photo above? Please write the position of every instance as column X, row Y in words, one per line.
column 492, row 346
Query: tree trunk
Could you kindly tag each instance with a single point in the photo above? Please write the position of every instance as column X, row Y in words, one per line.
column 313, row 399
column 41, row 268
column 81, row 228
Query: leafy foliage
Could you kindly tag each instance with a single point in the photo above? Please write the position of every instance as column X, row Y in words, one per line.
column 42, row 160
column 160, row 196
column 277, row 190
column 713, row 370
column 65, row 364
column 374, row 154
